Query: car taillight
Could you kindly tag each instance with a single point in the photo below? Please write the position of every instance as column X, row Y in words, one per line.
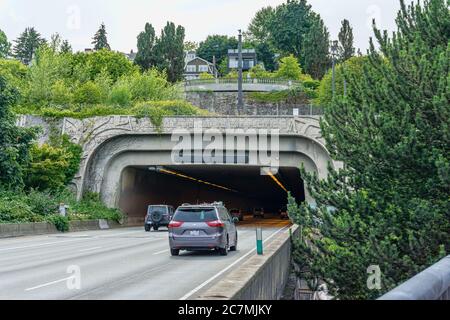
column 175, row 224
column 215, row 224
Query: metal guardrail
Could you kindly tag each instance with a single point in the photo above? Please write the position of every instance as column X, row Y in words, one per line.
column 197, row 82
column 431, row 284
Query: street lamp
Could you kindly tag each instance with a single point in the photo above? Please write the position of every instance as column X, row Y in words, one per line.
column 334, row 50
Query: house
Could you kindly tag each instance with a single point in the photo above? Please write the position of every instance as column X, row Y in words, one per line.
column 194, row 66
column 249, row 59
column 131, row 56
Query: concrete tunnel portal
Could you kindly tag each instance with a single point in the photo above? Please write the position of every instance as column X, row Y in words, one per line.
column 241, row 187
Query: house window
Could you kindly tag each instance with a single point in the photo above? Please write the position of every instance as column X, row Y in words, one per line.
column 233, row 63
column 191, row 68
column 203, row 68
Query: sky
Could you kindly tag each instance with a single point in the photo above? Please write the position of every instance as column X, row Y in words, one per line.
column 78, row 20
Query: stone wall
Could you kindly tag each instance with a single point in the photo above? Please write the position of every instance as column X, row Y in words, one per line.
column 225, row 103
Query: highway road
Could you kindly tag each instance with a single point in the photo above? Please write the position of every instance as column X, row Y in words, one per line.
column 126, row 263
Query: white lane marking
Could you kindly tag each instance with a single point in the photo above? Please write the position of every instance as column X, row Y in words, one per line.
column 193, row 291
column 89, row 249
column 65, row 241
column 41, row 244
column 29, row 255
column 49, row 284
column 161, row 252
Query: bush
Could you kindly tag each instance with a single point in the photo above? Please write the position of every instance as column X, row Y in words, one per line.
column 120, row 94
column 289, row 69
column 157, row 110
column 61, row 94
column 152, row 85
column 61, row 223
column 14, row 209
column 41, row 203
column 206, row 76
column 88, row 93
column 48, row 167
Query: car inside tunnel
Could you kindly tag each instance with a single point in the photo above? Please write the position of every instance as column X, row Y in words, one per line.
column 238, row 187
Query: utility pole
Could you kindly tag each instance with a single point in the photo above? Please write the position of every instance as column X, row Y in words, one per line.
column 334, row 49
column 240, row 105
column 215, row 67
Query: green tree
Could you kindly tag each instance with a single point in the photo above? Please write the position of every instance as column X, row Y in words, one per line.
column 47, row 168
column 346, row 48
column 170, row 51
column 216, row 45
column 5, row 46
column 100, row 40
column 27, row 44
column 14, row 141
column 267, row 55
column 87, row 66
column 146, row 40
column 391, row 204
column 289, row 69
column 15, row 73
column 49, row 66
column 289, row 26
column 190, row 46
column 316, row 49
column 260, row 27
column 352, row 69
column 65, row 47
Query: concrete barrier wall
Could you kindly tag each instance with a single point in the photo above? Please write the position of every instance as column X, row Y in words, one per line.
column 260, row 277
column 10, row 230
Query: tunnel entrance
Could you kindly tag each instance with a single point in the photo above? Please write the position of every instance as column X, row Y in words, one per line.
column 238, row 187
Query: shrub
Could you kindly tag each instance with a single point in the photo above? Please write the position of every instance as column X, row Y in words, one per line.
column 152, row 85
column 157, row 110
column 48, row 167
column 289, row 69
column 61, row 94
column 88, row 93
column 41, row 203
column 61, row 223
column 14, row 209
column 206, row 76
column 120, row 94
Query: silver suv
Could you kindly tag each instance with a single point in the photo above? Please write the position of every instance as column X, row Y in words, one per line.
column 202, row 227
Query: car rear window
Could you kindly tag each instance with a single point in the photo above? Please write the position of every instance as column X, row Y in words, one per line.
column 162, row 209
column 195, row 215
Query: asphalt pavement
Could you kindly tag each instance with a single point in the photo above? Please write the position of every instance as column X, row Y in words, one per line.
column 126, row 263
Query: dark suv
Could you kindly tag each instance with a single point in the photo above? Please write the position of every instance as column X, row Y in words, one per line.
column 158, row 216
column 203, row 227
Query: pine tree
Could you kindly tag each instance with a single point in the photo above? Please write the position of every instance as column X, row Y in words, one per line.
column 316, row 49
column 346, row 48
column 145, row 57
column 27, row 44
column 100, row 40
column 389, row 206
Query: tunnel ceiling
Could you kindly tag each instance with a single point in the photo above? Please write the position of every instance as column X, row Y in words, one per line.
column 250, row 187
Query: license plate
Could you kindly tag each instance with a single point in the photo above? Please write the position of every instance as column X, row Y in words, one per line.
column 194, row 233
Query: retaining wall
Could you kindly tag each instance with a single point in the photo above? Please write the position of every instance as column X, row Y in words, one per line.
column 261, row 277
column 10, row 230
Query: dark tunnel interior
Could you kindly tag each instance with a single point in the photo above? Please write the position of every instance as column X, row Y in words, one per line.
column 237, row 187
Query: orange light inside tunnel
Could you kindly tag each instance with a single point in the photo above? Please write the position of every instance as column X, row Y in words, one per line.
column 162, row 170
column 277, row 181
